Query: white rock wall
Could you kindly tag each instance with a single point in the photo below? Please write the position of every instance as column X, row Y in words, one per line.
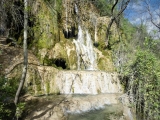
column 87, row 82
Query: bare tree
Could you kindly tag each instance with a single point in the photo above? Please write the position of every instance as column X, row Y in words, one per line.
column 24, row 52
column 11, row 18
column 114, row 17
column 152, row 14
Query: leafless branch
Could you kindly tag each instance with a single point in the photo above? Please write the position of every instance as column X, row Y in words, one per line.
column 151, row 15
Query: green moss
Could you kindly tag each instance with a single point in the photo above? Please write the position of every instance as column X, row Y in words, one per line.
column 47, row 87
column 98, row 91
column 36, row 83
column 20, row 39
column 62, row 49
column 72, row 56
column 101, row 64
column 50, row 79
column 106, row 53
column 101, row 45
column 73, row 60
column 38, row 87
column 46, row 26
column 105, row 64
column 72, row 89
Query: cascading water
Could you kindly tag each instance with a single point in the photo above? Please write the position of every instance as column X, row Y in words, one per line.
column 86, row 58
column 90, row 52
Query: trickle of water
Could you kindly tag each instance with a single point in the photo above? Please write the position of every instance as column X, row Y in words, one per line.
column 85, row 54
column 95, row 35
column 76, row 8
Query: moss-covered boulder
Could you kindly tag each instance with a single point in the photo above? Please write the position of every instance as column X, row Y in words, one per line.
column 104, row 60
column 62, row 55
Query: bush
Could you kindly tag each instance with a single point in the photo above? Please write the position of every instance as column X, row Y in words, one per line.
column 104, row 7
column 7, row 92
column 146, row 82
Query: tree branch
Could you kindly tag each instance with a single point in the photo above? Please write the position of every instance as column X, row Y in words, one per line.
column 151, row 15
column 113, row 7
column 113, row 18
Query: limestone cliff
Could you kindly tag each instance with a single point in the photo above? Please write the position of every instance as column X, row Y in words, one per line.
column 66, row 35
column 56, row 26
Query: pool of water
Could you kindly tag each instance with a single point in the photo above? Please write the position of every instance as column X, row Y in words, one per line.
column 82, row 107
column 109, row 112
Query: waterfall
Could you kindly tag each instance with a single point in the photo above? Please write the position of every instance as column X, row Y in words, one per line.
column 86, row 58
column 90, row 52
column 79, row 43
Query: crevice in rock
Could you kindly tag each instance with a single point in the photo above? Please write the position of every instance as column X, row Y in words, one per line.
column 96, row 44
column 69, row 33
column 60, row 63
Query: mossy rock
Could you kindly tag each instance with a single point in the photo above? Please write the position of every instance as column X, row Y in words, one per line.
column 62, row 55
column 105, row 64
column 46, row 26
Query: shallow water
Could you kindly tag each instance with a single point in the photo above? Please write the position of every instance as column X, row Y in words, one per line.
column 110, row 112
column 83, row 107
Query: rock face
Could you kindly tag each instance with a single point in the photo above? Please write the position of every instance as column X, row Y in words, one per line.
column 53, row 81
column 49, row 80
column 87, row 82
column 54, row 30
column 56, row 35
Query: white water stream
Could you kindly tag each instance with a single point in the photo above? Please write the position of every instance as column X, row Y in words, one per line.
column 86, row 57
column 76, row 8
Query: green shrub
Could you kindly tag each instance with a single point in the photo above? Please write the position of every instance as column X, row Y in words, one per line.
column 8, row 88
column 146, row 84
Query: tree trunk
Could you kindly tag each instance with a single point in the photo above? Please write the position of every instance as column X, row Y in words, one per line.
column 114, row 18
column 25, row 53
